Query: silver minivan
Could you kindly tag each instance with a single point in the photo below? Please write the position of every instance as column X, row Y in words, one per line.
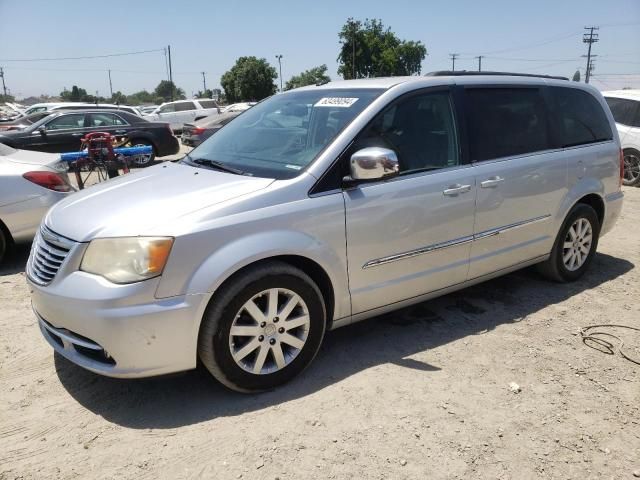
column 321, row 207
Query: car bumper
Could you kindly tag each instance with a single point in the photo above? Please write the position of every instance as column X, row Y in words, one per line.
column 612, row 209
column 23, row 218
column 118, row 330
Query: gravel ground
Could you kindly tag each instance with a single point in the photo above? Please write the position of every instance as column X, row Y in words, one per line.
column 420, row 393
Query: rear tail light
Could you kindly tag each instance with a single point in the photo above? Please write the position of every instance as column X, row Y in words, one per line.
column 197, row 131
column 621, row 169
column 50, row 180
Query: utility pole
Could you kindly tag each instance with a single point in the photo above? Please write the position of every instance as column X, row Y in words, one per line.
column 589, row 38
column 480, row 57
column 279, row 57
column 4, row 87
column 170, row 71
column 204, row 82
column 453, row 57
column 110, row 85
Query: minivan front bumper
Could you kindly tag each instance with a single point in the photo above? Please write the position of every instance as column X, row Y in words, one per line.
column 118, row 330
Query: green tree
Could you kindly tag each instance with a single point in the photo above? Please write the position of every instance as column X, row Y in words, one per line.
column 378, row 51
column 576, row 76
column 206, row 94
column 7, row 98
column 118, row 98
column 76, row 94
column 249, row 79
column 313, row 76
column 164, row 89
column 141, row 97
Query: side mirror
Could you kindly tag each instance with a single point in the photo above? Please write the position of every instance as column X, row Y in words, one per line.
column 373, row 163
column 42, row 130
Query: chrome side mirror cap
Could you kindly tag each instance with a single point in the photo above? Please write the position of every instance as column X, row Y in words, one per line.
column 373, row 163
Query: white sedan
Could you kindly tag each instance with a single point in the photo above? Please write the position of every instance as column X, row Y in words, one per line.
column 30, row 183
column 625, row 107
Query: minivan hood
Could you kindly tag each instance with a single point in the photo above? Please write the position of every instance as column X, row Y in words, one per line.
column 134, row 204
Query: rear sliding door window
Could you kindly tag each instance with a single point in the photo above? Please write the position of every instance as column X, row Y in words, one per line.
column 581, row 119
column 503, row 122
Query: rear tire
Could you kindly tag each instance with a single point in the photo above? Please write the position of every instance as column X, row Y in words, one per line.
column 631, row 167
column 3, row 244
column 262, row 328
column 574, row 247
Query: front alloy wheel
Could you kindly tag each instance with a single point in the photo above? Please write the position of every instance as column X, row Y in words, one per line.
column 262, row 327
column 269, row 331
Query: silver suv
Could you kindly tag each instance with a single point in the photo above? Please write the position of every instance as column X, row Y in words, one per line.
column 321, row 207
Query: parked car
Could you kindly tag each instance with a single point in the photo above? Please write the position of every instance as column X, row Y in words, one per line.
column 62, row 131
column 625, row 107
column 193, row 134
column 237, row 107
column 30, row 183
column 183, row 111
column 320, row 207
column 147, row 109
column 56, row 106
column 23, row 122
column 101, row 106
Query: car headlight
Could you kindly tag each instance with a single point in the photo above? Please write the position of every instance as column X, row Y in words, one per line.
column 127, row 259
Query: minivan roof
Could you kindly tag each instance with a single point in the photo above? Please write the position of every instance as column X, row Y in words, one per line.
column 443, row 79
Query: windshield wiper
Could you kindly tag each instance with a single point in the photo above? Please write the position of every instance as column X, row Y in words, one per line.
column 217, row 165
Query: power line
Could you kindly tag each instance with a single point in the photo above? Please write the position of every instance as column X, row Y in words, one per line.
column 453, row 57
column 79, row 58
column 532, row 45
column 590, row 38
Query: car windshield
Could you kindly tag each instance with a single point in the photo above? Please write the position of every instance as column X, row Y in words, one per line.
column 281, row 136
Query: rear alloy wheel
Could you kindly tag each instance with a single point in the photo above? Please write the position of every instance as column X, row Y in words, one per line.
column 142, row 160
column 575, row 245
column 262, row 328
column 631, row 167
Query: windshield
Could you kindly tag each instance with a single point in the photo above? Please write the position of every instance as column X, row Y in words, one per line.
column 282, row 135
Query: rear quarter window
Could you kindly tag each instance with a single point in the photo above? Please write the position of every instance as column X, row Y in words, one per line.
column 504, row 122
column 208, row 103
column 580, row 117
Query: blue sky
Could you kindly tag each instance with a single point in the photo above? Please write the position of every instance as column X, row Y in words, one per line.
column 540, row 36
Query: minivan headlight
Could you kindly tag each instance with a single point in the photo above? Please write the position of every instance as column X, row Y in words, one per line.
column 127, row 259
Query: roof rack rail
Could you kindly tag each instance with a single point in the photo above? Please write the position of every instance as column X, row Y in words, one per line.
column 462, row 73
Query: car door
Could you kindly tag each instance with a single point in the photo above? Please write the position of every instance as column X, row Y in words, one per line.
column 60, row 134
column 185, row 113
column 520, row 177
column 106, row 122
column 167, row 113
column 412, row 234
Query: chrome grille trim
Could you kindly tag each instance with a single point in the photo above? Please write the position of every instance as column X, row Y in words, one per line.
column 48, row 253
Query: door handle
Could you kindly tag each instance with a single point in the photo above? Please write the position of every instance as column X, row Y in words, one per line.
column 120, row 132
column 77, row 134
column 456, row 189
column 491, row 182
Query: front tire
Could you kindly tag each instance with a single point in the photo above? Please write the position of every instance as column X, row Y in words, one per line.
column 262, row 328
column 574, row 247
column 631, row 158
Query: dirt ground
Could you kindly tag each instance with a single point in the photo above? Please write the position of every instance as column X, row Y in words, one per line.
column 421, row 393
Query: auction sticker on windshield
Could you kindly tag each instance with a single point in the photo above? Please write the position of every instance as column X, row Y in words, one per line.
column 336, row 102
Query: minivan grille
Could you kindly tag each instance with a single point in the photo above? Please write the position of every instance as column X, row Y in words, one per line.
column 48, row 253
